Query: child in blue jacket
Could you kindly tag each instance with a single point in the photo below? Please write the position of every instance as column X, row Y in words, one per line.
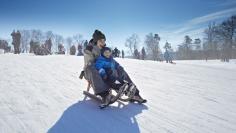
column 107, row 68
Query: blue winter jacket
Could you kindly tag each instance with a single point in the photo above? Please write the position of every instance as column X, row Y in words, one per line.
column 106, row 65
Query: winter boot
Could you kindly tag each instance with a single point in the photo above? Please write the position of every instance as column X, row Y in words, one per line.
column 134, row 93
column 106, row 100
column 131, row 90
column 138, row 98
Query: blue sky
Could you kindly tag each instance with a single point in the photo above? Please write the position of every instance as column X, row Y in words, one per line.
column 118, row 19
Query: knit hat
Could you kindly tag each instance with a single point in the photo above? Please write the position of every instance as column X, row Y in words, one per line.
column 97, row 35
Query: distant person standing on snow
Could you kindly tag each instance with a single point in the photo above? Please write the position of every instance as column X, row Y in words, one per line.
column 136, row 54
column 115, row 52
column 143, row 53
column 123, row 54
column 16, row 38
column 80, row 49
column 166, row 56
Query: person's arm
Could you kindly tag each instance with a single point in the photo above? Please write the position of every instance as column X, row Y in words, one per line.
column 100, row 67
column 88, row 58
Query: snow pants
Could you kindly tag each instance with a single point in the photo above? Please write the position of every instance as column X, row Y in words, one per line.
column 98, row 85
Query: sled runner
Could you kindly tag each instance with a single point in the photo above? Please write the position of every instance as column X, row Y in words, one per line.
column 125, row 93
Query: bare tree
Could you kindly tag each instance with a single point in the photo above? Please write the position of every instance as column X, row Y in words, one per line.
column 69, row 43
column 152, row 43
column 49, row 35
column 185, row 49
column 25, row 40
column 187, row 46
column 132, row 43
column 77, row 39
column 197, row 43
column 226, row 32
column 58, row 40
column 37, row 36
column 210, row 47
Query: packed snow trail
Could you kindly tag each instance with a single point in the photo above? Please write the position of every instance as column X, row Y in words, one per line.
column 44, row 94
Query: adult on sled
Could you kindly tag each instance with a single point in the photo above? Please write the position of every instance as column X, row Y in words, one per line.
column 91, row 53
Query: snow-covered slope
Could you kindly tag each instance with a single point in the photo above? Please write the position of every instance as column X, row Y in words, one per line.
column 44, row 94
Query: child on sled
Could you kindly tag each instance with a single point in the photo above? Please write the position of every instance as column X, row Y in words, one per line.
column 108, row 69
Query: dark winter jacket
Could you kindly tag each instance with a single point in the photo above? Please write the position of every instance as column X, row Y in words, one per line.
column 107, row 68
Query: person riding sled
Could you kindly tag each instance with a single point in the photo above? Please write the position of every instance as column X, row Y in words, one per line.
column 91, row 53
column 108, row 69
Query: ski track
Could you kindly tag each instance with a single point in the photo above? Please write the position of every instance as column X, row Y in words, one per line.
column 44, row 94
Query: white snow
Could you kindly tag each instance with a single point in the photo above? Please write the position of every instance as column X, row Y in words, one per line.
column 44, row 94
column 1, row 51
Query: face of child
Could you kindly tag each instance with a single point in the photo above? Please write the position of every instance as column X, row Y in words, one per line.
column 107, row 54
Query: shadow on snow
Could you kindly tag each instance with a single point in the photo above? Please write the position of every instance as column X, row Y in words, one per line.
column 86, row 117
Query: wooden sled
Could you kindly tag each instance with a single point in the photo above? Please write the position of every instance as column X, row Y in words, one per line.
column 122, row 95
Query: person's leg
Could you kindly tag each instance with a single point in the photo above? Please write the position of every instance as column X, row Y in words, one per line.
column 14, row 49
column 115, row 86
column 122, row 75
column 137, row 96
column 98, row 85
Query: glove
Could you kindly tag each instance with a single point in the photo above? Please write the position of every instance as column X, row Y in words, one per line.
column 103, row 73
column 81, row 75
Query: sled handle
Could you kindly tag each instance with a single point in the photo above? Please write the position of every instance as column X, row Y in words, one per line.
column 89, row 86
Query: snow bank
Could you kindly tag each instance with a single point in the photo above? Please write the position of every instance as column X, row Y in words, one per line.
column 1, row 51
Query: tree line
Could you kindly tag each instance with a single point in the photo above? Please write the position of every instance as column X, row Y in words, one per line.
column 34, row 39
column 219, row 42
